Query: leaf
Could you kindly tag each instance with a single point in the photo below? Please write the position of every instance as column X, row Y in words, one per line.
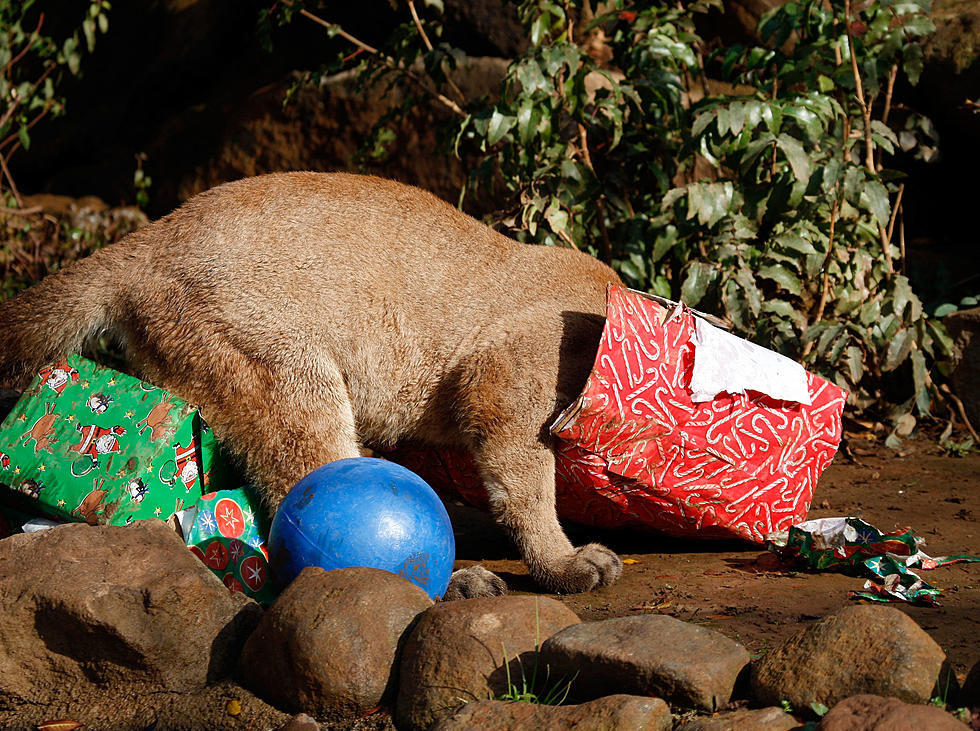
column 528, row 117
column 695, row 286
column 783, row 277
column 874, row 197
column 901, row 295
column 499, row 125
column 63, row 724
column 530, row 77
column 701, row 123
column 749, row 289
column 898, row 349
column 792, row 240
column 893, row 442
column 796, row 156
column 854, row 358
column 556, row 217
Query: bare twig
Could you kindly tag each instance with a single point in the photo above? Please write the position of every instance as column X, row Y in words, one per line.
column 895, row 210
column 606, row 254
column 16, row 103
column 387, row 61
column 825, row 285
column 430, row 47
column 15, row 137
column 10, row 180
column 27, row 47
column 21, row 211
column 869, row 155
column 888, row 93
column 960, row 408
column 418, row 25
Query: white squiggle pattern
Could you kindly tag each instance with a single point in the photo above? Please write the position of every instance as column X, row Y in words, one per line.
column 740, row 465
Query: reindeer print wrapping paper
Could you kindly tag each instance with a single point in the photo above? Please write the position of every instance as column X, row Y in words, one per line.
column 87, row 443
column 636, row 449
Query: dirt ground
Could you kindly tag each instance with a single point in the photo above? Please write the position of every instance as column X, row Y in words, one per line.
column 746, row 593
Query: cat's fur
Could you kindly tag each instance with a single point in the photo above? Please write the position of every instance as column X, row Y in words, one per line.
column 308, row 314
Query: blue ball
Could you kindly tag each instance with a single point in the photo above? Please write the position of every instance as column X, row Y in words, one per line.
column 364, row 512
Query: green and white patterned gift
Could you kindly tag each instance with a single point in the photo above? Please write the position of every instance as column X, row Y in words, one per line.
column 88, row 443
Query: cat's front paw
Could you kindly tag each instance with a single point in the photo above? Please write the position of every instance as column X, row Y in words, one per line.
column 590, row 566
column 473, row 582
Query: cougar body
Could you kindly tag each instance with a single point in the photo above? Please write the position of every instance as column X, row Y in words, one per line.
column 309, row 314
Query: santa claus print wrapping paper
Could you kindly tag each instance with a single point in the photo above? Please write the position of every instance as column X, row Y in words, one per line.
column 88, row 443
column 728, row 447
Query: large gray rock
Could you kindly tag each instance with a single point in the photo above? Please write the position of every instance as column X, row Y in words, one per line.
column 651, row 654
column 611, row 713
column 461, row 651
column 329, row 645
column 85, row 608
column 874, row 713
column 761, row 719
column 861, row 649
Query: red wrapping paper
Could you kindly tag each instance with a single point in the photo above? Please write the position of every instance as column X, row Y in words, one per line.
column 634, row 450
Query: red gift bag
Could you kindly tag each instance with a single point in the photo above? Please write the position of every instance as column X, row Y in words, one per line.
column 639, row 448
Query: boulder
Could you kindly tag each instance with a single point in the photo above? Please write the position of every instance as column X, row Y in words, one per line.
column 964, row 328
column 329, row 645
column 760, row 719
column 464, row 650
column 874, row 713
column 969, row 696
column 650, row 654
column 611, row 713
column 85, row 608
column 861, row 649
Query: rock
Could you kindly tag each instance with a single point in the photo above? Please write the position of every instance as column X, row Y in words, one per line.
column 651, row 654
column 114, row 708
column 300, row 722
column 323, row 127
column 969, row 696
column 762, row 719
column 605, row 714
column 86, row 608
column 874, row 713
column 329, row 645
column 461, row 651
column 861, row 649
column 964, row 327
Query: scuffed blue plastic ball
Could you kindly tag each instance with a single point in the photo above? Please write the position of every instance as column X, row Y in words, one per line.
column 364, row 512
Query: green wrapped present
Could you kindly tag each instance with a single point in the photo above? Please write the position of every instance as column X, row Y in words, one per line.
column 89, row 443
column 227, row 530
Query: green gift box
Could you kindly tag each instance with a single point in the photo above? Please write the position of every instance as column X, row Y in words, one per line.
column 227, row 530
column 88, row 443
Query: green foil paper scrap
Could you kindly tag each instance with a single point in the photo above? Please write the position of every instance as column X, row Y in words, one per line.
column 851, row 543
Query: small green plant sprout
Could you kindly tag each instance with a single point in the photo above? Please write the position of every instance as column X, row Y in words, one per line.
column 530, row 690
column 957, row 449
column 786, row 705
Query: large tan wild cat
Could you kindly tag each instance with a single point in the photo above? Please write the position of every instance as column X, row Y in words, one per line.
column 308, row 314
